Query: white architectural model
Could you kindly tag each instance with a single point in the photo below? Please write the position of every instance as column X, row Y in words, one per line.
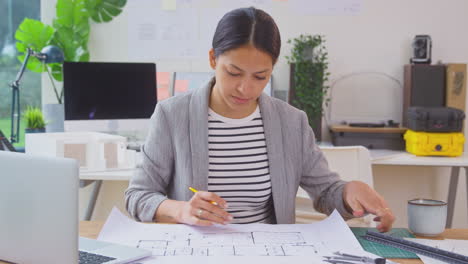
column 94, row 151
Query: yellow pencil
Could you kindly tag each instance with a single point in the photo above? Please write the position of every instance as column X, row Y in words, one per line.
column 195, row 191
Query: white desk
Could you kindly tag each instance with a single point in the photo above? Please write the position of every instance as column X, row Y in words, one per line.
column 406, row 159
column 379, row 157
column 110, row 175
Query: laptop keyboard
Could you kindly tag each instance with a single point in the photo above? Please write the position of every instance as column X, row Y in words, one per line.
column 89, row 258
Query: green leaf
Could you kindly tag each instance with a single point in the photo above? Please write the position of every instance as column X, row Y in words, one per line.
column 105, row 10
column 82, row 54
column 35, row 35
column 74, row 49
column 71, row 33
column 80, row 12
column 64, row 12
column 63, row 38
column 71, row 12
column 73, row 16
column 34, row 64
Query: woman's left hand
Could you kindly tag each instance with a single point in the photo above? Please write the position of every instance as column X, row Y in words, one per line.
column 362, row 199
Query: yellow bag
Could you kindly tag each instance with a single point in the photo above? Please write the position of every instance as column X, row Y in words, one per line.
column 434, row 144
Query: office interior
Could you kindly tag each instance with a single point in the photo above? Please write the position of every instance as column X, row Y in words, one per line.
column 366, row 49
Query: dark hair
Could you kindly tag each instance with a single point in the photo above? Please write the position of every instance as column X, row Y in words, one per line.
column 247, row 26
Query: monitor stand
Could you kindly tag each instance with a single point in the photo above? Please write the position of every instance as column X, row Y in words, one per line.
column 113, row 126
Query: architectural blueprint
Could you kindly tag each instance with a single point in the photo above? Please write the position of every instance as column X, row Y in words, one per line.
column 264, row 243
column 227, row 243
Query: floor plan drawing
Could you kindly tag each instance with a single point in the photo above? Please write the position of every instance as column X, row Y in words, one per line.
column 233, row 244
column 256, row 243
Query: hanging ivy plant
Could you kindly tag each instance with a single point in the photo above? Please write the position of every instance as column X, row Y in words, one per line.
column 310, row 58
column 69, row 31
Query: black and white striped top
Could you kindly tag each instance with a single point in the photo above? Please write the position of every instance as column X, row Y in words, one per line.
column 238, row 166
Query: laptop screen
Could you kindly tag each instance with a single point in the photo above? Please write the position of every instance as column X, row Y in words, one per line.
column 38, row 209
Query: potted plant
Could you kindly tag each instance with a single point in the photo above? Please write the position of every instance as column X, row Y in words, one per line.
column 70, row 32
column 308, row 76
column 35, row 122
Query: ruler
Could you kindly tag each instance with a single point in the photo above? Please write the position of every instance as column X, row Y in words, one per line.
column 417, row 248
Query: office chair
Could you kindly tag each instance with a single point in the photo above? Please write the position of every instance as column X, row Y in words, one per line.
column 351, row 163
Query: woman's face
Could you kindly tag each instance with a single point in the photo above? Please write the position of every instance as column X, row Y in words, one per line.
column 241, row 74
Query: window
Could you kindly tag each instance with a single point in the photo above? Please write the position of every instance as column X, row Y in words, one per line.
column 12, row 13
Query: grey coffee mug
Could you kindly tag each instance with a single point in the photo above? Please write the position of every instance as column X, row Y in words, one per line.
column 427, row 217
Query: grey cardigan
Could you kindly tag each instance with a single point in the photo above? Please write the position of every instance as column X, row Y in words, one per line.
column 175, row 156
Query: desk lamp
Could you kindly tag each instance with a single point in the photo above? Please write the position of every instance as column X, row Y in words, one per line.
column 49, row 54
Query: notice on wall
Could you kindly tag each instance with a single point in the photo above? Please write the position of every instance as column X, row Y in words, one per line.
column 177, row 29
column 155, row 33
column 184, row 29
column 163, row 84
column 326, row 7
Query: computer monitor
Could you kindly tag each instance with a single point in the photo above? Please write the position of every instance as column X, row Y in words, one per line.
column 109, row 96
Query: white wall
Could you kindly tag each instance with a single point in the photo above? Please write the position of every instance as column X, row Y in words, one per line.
column 376, row 40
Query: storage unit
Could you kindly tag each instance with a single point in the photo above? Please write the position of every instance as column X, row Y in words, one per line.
column 435, row 119
column 371, row 138
column 434, row 144
column 424, row 85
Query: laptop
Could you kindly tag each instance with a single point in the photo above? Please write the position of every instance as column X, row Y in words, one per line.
column 39, row 215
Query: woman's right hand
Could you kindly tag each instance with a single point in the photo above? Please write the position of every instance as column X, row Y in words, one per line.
column 204, row 209
column 198, row 211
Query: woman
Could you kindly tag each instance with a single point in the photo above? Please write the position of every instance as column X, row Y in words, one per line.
column 246, row 151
